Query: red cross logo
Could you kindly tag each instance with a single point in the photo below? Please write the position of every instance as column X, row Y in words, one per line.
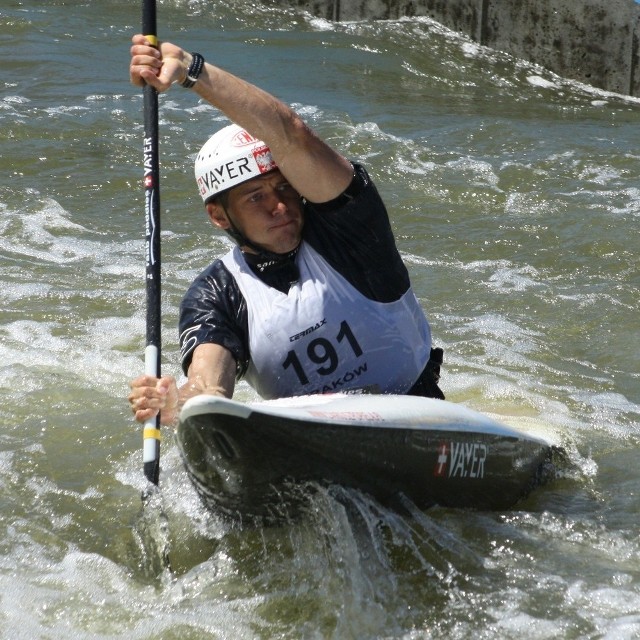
column 441, row 465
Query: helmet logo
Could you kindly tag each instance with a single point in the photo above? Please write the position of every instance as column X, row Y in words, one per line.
column 264, row 159
column 217, row 177
column 242, row 139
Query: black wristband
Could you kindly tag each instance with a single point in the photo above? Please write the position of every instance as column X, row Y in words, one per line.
column 194, row 71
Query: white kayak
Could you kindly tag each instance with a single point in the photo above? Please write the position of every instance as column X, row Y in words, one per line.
column 243, row 458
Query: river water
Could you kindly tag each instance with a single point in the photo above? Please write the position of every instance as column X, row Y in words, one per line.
column 515, row 199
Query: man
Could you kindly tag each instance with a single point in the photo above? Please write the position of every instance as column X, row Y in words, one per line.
column 315, row 297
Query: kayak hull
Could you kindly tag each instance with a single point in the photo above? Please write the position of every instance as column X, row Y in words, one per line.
column 246, row 459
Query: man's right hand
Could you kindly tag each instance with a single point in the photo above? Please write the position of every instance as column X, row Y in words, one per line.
column 150, row 395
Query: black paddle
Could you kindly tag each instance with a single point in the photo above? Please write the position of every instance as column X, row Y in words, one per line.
column 151, row 434
column 152, row 529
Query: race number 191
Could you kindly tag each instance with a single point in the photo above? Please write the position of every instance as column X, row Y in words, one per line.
column 321, row 352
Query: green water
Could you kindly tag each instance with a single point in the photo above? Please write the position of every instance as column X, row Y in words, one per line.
column 515, row 200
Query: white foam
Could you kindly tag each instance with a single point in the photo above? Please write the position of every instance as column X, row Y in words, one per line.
column 15, row 100
column 543, row 83
column 505, row 277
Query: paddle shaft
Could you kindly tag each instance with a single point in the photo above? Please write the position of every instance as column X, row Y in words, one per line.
column 151, row 436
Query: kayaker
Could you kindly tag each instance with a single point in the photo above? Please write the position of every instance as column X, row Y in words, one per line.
column 315, row 297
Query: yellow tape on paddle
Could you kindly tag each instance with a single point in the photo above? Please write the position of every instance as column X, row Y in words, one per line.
column 153, row 40
column 151, row 432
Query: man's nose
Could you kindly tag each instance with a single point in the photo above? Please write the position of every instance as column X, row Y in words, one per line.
column 277, row 204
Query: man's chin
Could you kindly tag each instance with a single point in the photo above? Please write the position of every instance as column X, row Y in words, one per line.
column 285, row 244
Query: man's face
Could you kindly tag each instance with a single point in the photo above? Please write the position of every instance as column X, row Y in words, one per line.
column 267, row 210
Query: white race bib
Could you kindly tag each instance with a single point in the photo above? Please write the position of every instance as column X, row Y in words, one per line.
column 324, row 336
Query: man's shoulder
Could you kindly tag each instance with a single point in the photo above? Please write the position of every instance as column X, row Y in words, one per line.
column 215, row 278
column 215, row 268
column 357, row 190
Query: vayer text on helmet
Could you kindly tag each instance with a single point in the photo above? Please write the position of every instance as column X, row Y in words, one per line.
column 217, row 177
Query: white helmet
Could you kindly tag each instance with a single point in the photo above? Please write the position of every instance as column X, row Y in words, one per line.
column 230, row 157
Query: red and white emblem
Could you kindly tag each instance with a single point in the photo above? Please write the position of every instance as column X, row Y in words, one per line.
column 440, row 469
column 264, row 159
